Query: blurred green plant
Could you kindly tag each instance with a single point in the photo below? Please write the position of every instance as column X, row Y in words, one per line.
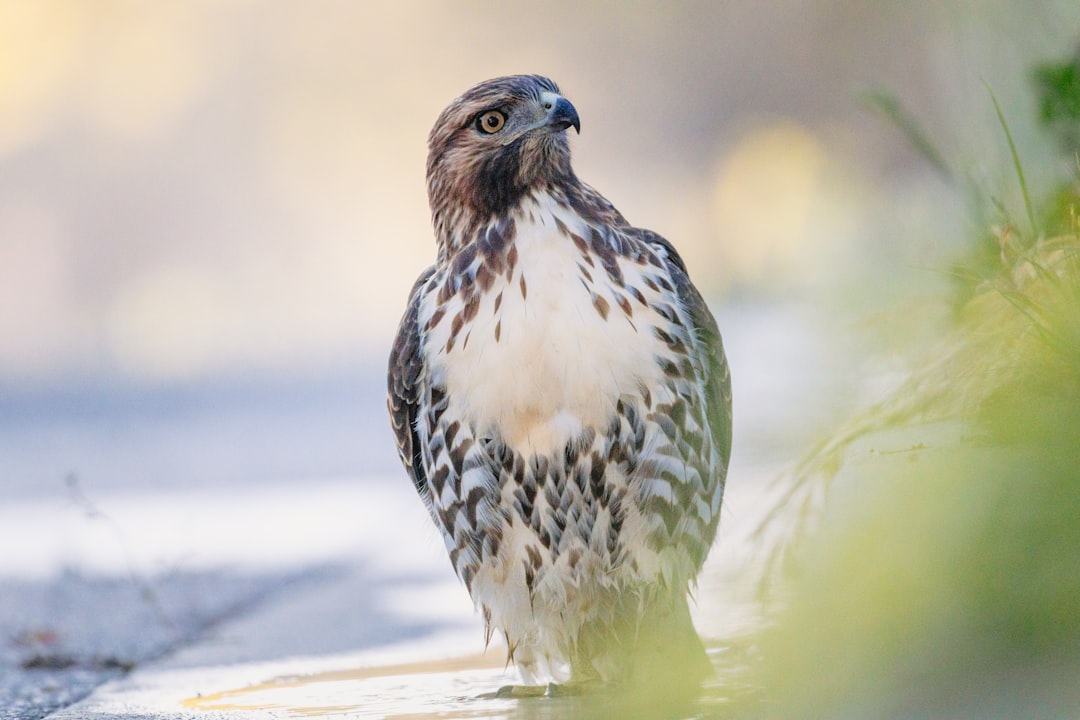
column 1058, row 87
column 888, row 106
column 932, row 565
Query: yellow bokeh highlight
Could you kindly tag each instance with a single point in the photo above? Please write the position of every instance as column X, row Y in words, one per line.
column 40, row 45
column 780, row 206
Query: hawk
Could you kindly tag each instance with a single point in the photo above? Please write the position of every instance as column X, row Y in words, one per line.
column 560, row 398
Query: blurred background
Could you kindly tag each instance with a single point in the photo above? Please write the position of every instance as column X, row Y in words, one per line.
column 211, row 214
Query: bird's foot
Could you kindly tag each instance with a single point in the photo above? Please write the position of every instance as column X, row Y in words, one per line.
column 574, row 687
column 550, row 690
column 521, row 691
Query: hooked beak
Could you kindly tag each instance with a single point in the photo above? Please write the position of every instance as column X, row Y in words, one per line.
column 560, row 113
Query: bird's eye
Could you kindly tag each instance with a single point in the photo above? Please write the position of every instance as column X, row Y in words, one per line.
column 491, row 122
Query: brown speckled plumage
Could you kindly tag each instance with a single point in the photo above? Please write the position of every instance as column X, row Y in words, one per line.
column 560, row 397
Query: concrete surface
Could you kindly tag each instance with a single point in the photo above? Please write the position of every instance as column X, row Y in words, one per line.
column 64, row 637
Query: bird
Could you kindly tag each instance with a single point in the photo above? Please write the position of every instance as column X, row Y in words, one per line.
column 561, row 400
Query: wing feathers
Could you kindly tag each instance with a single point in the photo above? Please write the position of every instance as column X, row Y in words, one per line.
column 404, row 380
column 718, row 381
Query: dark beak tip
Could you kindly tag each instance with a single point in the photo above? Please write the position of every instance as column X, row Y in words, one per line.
column 566, row 125
column 564, row 115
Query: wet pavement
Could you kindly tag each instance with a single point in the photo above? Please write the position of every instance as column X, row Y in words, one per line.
column 66, row 636
column 256, row 579
column 347, row 635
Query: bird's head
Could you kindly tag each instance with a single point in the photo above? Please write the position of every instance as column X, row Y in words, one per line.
column 497, row 142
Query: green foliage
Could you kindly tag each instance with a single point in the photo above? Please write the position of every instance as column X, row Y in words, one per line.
column 944, row 577
column 1058, row 87
column 940, row 577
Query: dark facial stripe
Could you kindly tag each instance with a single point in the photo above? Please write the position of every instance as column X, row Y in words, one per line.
column 497, row 188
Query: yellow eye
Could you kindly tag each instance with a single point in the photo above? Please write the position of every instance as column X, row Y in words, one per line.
column 491, row 122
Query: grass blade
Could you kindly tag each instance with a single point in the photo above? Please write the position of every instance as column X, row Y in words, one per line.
column 1016, row 162
column 888, row 107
